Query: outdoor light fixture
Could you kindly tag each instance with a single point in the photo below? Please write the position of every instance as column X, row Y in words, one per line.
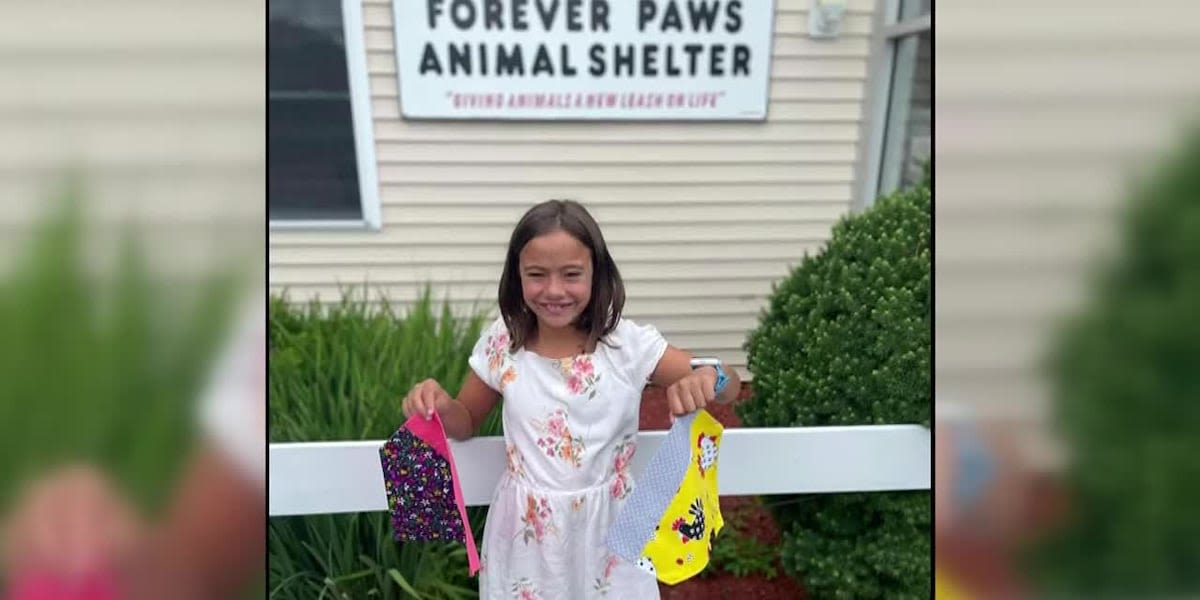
column 825, row 18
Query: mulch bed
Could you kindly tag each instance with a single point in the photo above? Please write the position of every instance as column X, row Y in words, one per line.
column 742, row 513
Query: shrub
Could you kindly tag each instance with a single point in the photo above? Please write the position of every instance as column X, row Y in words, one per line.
column 845, row 340
column 1124, row 378
column 339, row 373
column 742, row 556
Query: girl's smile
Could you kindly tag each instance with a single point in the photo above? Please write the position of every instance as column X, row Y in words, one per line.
column 556, row 278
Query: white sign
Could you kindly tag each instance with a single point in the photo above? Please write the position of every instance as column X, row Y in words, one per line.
column 584, row 59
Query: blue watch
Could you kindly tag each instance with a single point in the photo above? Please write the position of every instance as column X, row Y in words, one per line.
column 722, row 379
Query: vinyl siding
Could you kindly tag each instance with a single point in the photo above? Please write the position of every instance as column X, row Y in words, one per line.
column 160, row 108
column 1045, row 112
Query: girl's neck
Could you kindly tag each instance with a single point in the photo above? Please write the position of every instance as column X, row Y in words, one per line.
column 556, row 342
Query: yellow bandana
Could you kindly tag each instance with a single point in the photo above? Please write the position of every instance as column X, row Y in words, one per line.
column 682, row 542
column 946, row 587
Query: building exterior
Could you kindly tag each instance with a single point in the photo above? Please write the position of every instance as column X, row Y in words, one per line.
column 158, row 110
column 1043, row 123
column 703, row 215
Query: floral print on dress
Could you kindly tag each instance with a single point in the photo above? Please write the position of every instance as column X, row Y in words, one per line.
column 538, row 519
column 516, row 462
column 557, row 440
column 500, row 358
column 524, row 589
column 604, row 582
column 497, row 350
column 580, row 374
column 509, row 375
column 622, row 483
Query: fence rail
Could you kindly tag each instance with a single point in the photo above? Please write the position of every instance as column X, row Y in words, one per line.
column 341, row 477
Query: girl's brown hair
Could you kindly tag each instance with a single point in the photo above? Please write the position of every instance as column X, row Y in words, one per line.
column 602, row 313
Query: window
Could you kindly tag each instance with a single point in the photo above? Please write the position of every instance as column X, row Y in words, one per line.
column 901, row 140
column 907, row 139
column 321, row 165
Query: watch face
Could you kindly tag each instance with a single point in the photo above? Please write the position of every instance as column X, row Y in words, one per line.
column 705, row 362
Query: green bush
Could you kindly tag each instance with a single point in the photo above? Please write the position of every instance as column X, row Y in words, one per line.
column 845, row 340
column 742, row 555
column 339, row 373
column 1125, row 384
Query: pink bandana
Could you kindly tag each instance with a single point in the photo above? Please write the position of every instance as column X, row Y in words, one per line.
column 424, row 496
column 38, row 586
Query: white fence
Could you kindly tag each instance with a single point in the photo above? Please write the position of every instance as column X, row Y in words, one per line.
column 340, row 477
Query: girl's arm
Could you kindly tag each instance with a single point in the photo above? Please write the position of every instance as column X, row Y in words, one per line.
column 689, row 389
column 463, row 417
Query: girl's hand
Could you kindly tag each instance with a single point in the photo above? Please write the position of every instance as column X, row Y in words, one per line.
column 693, row 392
column 70, row 524
column 425, row 398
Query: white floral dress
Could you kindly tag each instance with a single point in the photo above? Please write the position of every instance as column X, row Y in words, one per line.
column 570, row 427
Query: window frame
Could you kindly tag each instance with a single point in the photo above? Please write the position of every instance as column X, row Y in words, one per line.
column 889, row 77
column 359, row 85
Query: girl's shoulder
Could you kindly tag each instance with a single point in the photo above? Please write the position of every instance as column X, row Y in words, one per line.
column 636, row 349
column 631, row 337
column 496, row 327
column 628, row 328
column 493, row 335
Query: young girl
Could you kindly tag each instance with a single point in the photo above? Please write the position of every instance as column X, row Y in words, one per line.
column 571, row 371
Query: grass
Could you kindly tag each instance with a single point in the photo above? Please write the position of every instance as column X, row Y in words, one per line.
column 339, row 372
column 102, row 365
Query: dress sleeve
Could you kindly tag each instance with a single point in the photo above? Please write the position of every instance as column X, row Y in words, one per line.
column 490, row 355
column 642, row 346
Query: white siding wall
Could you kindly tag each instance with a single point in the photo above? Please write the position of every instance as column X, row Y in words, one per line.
column 1044, row 111
column 160, row 106
column 702, row 218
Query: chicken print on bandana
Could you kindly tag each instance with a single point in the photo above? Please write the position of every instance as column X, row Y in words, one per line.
column 707, row 457
column 580, row 374
column 673, row 530
column 692, row 527
column 557, row 441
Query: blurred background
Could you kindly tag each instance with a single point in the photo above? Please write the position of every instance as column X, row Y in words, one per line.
column 132, row 153
column 1067, row 247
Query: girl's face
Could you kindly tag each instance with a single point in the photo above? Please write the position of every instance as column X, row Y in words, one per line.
column 556, row 278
